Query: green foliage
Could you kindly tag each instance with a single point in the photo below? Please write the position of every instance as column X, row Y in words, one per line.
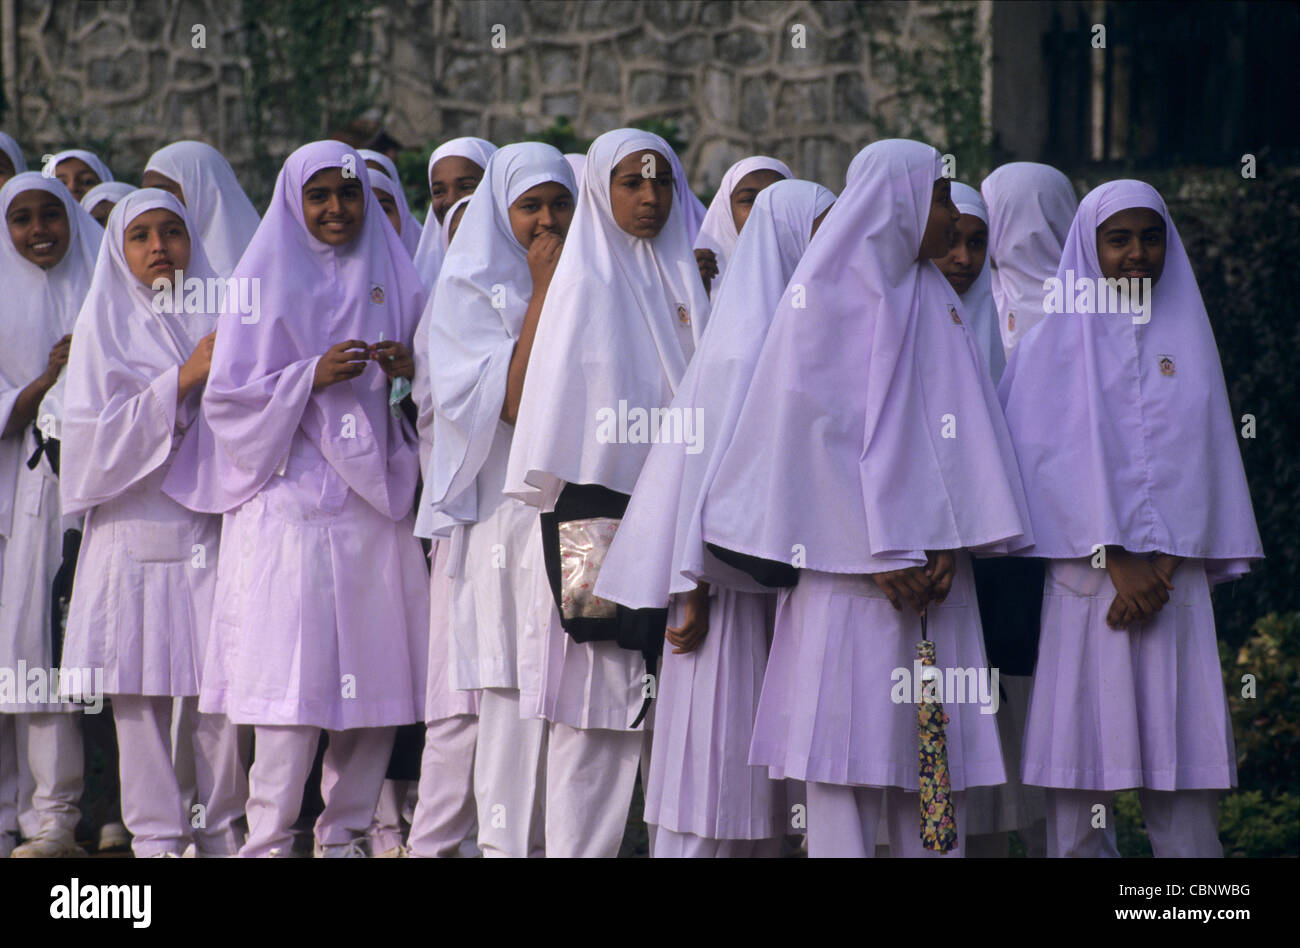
column 413, row 169
column 667, row 130
column 1267, row 726
column 308, row 71
column 562, row 135
column 1130, row 832
column 1256, row 827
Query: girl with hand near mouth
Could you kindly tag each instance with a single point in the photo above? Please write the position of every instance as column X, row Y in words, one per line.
column 46, row 262
column 322, row 614
column 1128, row 691
column 729, row 209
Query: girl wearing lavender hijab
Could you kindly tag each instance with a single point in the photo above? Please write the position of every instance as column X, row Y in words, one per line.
column 482, row 324
column 618, row 326
column 142, row 603
column 46, row 261
column 1128, row 692
column 872, row 441
column 729, row 209
column 200, row 178
column 455, row 169
column 1030, row 207
column 321, row 618
column 702, row 797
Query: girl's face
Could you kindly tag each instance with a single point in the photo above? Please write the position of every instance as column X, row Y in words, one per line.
column 1131, row 245
column 965, row 259
column 746, row 189
column 544, row 209
column 450, row 179
column 387, row 202
column 39, row 228
column 455, row 223
column 101, row 212
column 156, row 244
column 152, row 179
column 640, row 203
column 7, row 169
column 941, row 227
column 371, row 163
column 77, row 176
column 333, row 207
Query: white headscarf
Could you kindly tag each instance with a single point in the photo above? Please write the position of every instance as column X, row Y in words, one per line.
column 977, row 302
column 428, row 255
column 122, row 346
column 718, row 232
column 112, row 191
column 49, row 301
column 647, row 560
column 619, row 325
column 225, row 217
column 411, row 228
column 1030, row 209
column 476, row 314
column 89, row 157
column 10, row 148
column 577, row 161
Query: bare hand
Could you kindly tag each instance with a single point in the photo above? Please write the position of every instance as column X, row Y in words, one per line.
column 196, row 368
column 690, row 634
column 58, row 359
column 707, row 261
column 543, row 255
column 911, row 584
column 341, row 361
column 941, row 567
column 394, row 358
column 1140, row 589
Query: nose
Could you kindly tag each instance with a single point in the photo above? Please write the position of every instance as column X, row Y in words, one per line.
column 546, row 219
column 335, row 205
column 648, row 195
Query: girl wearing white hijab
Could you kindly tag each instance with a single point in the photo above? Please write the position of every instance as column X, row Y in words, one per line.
column 619, row 324
column 142, row 603
column 46, row 261
column 455, row 169
column 702, row 797
column 721, row 226
column 78, row 169
column 483, row 317
column 967, row 268
column 1030, row 207
column 12, row 161
column 99, row 200
column 386, row 186
column 201, row 179
column 841, row 463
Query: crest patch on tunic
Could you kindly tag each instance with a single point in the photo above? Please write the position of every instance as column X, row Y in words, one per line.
column 1011, row 322
column 376, row 294
column 683, row 315
column 952, row 311
column 1166, row 366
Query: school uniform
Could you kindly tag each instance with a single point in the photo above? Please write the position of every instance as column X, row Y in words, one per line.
column 392, row 186
column 702, row 797
column 111, row 191
column 620, row 322
column 141, row 608
column 95, row 163
column 321, row 617
column 840, row 447
column 36, row 723
column 1030, row 207
column 718, row 230
column 222, row 213
column 1142, row 707
column 428, row 255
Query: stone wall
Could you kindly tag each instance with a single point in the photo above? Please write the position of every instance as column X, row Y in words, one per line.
column 809, row 81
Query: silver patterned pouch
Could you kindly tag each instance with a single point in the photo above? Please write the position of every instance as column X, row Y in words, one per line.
column 583, row 545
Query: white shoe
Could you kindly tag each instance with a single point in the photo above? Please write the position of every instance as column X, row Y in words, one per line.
column 356, row 849
column 113, row 836
column 61, row 848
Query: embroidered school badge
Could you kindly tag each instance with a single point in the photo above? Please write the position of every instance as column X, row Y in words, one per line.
column 1011, row 322
column 376, row 294
column 1167, row 366
column 952, row 311
column 683, row 316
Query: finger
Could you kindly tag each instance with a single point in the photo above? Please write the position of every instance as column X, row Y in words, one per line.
column 887, row 587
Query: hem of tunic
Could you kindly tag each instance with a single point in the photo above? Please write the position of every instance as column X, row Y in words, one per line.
column 1215, row 777
column 783, row 766
column 287, row 714
column 753, row 829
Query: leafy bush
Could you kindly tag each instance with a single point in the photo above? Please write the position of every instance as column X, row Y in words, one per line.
column 1267, row 726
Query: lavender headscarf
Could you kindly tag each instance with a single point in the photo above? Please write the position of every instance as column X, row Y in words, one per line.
column 1030, row 208
column 648, row 561
column 620, row 321
column 123, row 347
column 428, row 255
column 977, row 302
column 871, row 431
column 259, row 392
column 1124, row 448
column 225, row 217
column 411, row 228
column 718, row 229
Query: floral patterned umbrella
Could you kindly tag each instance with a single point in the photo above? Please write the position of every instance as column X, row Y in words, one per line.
column 938, row 820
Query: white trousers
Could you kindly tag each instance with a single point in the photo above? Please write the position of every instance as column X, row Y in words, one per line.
column 843, row 820
column 1181, row 824
column 672, row 845
column 157, row 810
column 49, row 742
column 444, row 815
column 509, row 778
column 590, row 776
column 351, row 776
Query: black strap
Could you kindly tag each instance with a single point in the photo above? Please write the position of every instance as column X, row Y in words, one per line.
column 47, row 446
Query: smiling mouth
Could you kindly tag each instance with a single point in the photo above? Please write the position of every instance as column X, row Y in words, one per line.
column 335, row 225
column 43, row 247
